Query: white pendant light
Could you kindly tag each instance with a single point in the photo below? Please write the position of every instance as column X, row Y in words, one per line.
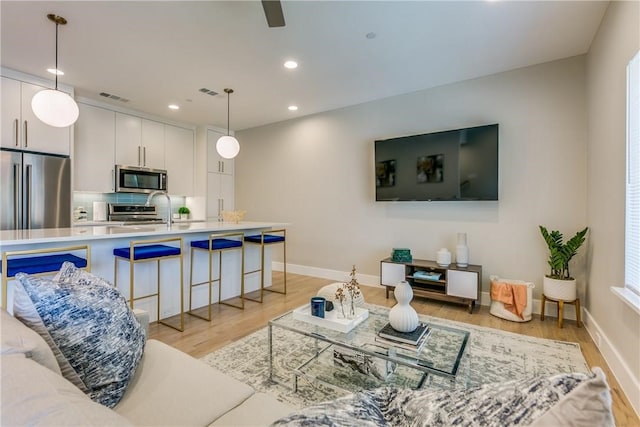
column 227, row 146
column 52, row 106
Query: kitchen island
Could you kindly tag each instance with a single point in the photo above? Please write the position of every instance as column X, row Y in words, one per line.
column 103, row 239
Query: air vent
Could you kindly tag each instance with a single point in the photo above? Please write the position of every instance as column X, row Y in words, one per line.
column 208, row 91
column 114, row 97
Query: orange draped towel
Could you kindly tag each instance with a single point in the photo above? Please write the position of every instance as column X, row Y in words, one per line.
column 514, row 297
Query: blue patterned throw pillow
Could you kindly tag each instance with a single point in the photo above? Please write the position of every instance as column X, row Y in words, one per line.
column 96, row 337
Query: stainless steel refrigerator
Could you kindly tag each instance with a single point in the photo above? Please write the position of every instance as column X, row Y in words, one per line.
column 35, row 191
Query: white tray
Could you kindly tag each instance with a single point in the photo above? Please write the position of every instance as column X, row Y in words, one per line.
column 331, row 320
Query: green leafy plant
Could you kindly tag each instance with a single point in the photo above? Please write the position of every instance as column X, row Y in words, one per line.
column 561, row 253
column 184, row 210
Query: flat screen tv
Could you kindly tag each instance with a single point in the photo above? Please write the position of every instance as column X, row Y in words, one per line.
column 459, row 164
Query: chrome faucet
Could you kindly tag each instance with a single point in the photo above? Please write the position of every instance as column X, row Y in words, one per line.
column 164, row 193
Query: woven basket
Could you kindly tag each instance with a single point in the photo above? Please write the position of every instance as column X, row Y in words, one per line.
column 233, row 216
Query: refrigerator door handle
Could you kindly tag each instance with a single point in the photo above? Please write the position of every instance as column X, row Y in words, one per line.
column 16, row 196
column 26, row 139
column 17, row 127
column 28, row 197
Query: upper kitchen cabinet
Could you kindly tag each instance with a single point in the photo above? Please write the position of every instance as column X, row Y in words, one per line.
column 139, row 142
column 21, row 129
column 94, row 150
column 179, row 146
column 215, row 162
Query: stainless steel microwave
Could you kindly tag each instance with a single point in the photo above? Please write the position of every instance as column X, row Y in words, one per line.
column 133, row 179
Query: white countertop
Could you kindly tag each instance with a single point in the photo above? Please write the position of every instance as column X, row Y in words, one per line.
column 112, row 231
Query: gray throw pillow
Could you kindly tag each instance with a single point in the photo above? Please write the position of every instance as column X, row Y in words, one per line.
column 97, row 340
column 493, row 405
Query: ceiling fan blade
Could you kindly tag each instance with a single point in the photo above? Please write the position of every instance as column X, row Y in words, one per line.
column 273, row 13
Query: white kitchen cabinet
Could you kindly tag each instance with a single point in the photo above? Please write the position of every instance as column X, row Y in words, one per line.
column 21, row 129
column 94, row 152
column 179, row 160
column 139, row 142
column 215, row 162
column 220, row 179
column 153, row 144
column 220, row 194
column 128, row 140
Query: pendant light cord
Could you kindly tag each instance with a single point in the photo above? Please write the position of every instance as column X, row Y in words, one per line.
column 228, row 109
column 57, row 56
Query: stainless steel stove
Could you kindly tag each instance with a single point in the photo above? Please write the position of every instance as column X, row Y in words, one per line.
column 134, row 214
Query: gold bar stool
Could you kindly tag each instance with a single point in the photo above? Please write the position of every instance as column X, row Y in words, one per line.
column 268, row 238
column 150, row 250
column 217, row 243
column 32, row 261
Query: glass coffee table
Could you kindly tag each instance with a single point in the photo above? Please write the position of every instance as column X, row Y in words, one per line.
column 317, row 354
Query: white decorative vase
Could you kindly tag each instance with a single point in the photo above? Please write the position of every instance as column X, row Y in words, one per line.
column 403, row 317
column 443, row 257
column 564, row 290
column 462, row 251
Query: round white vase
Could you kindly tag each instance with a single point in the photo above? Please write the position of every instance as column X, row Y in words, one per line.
column 403, row 317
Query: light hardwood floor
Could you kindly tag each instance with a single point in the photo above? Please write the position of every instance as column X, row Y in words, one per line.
column 229, row 324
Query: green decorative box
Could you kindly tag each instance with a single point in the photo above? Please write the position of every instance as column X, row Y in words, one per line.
column 401, row 255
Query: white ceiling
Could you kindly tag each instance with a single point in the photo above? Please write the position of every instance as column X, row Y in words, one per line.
column 157, row 53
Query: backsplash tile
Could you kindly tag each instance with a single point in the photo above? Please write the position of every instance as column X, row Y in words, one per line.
column 86, row 200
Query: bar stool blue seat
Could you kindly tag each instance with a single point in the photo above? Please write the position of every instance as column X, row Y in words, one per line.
column 145, row 251
column 33, row 261
column 265, row 239
column 219, row 243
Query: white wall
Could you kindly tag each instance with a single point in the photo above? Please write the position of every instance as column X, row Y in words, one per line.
column 317, row 173
column 617, row 40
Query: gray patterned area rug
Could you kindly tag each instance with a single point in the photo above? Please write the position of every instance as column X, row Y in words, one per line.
column 491, row 355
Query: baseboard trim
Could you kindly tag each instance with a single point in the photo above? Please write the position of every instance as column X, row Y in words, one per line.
column 629, row 384
column 324, row 273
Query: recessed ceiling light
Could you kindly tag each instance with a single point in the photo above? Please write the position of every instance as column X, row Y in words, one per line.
column 291, row 65
column 293, row 108
column 174, row 107
column 55, row 71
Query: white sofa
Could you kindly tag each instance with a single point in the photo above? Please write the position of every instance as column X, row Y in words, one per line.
column 170, row 388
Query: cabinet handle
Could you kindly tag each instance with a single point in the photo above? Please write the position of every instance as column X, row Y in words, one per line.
column 113, row 180
column 26, row 134
column 222, row 166
column 144, row 156
column 16, row 125
column 139, row 164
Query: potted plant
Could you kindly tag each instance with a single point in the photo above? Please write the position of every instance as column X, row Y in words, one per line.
column 559, row 284
column 184, row 212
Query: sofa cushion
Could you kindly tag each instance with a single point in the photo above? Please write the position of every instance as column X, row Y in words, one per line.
column 33, row 395
column 92, row 329
column 503, row 404
column 16, row 338
column 171, row 388
column 258, row 410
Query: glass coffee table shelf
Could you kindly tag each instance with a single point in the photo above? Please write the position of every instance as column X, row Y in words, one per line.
column 440, row 356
